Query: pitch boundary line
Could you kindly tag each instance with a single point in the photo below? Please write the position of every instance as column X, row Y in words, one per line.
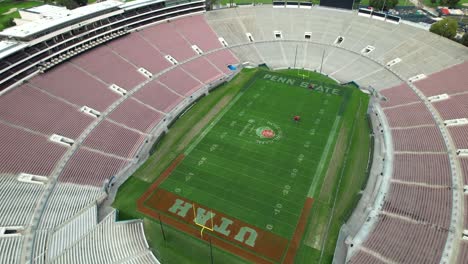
column 321, row 164
column 345, row 162
column 162, row 177
column 296, row 239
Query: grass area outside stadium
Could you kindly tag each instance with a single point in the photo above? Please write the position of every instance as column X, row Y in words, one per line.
column 460, row 4
column 365, row 3
column 219, row 191
column 9, row 10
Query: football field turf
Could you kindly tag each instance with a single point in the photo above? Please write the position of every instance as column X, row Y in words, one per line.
column 253, row 172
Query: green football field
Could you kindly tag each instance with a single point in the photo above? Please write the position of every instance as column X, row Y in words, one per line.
column 232, row 168
column 252, row 163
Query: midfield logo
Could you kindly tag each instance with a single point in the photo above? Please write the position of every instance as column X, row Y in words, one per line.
column 269, row 133
column 265, row 132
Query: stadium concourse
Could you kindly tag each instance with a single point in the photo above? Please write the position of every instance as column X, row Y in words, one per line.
column 86, row 94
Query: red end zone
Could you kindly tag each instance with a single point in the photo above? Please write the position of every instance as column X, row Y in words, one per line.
column 230, row 234
column 233, row 230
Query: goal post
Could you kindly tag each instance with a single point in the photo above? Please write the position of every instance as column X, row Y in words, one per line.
column 203, row 226
column 302, row 74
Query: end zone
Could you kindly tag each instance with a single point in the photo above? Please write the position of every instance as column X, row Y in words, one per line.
column 241, row 235
column 230, row 234
column 157, row 203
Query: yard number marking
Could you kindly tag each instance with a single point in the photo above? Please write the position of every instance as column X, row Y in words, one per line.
column 294, row 173
column 278, row 208
column 189, row 176
column 300, row 158
column 223, row 135
column 286, row 190
column 201, row 161
column 213, row 147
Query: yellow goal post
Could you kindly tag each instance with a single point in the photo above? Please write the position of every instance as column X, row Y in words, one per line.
column 203, row 227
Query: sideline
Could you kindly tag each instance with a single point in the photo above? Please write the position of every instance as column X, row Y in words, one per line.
column 323, row 159
column 345, row 163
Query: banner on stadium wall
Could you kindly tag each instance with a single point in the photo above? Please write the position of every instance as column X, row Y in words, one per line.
column 344, row 4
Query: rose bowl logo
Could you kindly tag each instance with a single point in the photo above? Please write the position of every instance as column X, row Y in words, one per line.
column 268, row 134
column 265, row 132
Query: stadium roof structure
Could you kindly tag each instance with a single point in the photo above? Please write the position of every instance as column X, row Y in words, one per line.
column 8, row 47
column 47, row 10
column 139, row 3
column 55, row 17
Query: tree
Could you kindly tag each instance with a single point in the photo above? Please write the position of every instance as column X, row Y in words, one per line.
column 383, row 4
column 452, row 3
column 7, row 23
column 449, row 3
column 69, row 4
column 446, row 27
column 464, row 39
column 81, row 2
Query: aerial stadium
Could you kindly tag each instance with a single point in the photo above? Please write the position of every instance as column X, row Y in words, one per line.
column 168, row 131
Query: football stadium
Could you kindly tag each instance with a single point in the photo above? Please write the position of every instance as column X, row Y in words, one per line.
column 166, row 131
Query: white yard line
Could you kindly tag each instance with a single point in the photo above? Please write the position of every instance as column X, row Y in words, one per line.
column 213, row 123
column 321, row 164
